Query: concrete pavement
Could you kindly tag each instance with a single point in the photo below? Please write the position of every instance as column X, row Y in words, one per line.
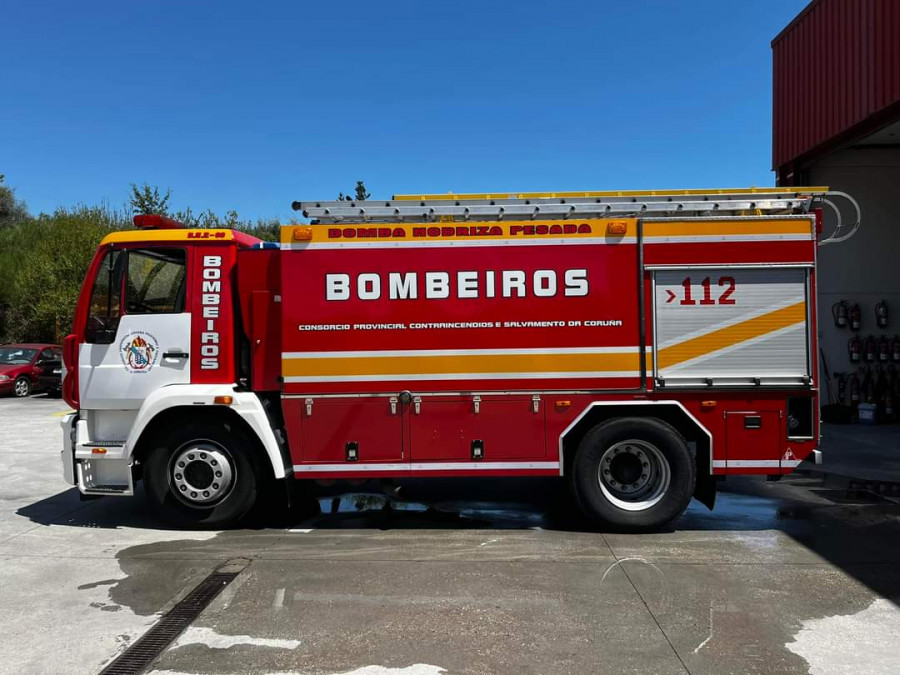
column 789, row 577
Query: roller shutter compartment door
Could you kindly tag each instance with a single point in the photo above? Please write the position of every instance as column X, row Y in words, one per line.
column 731, row 326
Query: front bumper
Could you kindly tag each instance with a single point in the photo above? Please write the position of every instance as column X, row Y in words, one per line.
column 95, row 473
column 68, row 450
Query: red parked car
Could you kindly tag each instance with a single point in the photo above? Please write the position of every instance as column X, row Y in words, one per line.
column 21, row 366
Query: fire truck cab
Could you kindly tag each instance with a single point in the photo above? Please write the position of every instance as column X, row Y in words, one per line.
column 636, row 344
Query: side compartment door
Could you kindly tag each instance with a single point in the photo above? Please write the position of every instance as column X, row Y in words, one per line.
column 139, row 328
column 731, row 326
column 753, row 441
column 467, row 428
column 348, row 431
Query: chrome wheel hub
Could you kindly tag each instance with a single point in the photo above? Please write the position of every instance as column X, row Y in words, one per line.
column 201, row 473
column 21, row 388
column 634, row 475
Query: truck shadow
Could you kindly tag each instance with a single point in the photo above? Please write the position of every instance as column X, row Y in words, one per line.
column 855, row 531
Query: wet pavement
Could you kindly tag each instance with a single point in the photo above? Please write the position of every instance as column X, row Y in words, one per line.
column 479, row 576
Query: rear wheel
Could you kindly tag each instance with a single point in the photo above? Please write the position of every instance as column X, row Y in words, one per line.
column 203, row 475
column 633, row 474
column 22, row 387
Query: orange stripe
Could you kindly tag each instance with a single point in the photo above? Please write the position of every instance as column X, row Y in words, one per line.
column 495, row 363
column 730, row 335
column 726, row 227
column 490, row 230
column 130, row 236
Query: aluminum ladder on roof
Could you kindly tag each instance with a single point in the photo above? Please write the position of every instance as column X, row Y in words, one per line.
column 562, row 205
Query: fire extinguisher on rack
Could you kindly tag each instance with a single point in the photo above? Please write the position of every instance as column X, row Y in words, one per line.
column 895, row 348
column 842, row 387
column 855, row 317
column 839, row 312
column 854, row 347
column 854, row 389
column 881, row 314
column 884, row 349
column 890, row 377
column 868, row 386
column 870, row 348
column 879, row 385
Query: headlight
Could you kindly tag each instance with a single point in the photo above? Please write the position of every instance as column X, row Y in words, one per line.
column 57, row 371
column 3, row 378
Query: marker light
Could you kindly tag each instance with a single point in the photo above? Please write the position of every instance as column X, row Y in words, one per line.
column 302, row 233
column 98, row 451
column 708, row 405
column 616, row 227
column 223, row 400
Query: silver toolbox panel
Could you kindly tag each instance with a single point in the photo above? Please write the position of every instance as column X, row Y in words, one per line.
column 738, row 326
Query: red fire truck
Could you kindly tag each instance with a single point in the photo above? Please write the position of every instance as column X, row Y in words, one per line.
column 640, row 345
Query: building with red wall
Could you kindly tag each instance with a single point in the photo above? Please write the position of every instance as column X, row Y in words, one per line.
column 836, row 122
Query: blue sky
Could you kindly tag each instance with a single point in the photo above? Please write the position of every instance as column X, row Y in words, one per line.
column 252, row 105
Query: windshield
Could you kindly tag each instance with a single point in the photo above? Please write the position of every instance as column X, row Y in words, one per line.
column 16, row 355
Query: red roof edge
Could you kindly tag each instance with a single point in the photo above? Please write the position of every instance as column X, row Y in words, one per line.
column 797, row 19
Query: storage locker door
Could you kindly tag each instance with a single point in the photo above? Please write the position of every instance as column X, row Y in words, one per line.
column 731, row 326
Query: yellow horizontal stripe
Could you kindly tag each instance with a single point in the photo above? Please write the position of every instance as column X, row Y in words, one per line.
column 503, row 363
column 526, row 230
column 712, row 228
column 130, row 236
column 510, row 229
column 730, row 335
column 610, row 193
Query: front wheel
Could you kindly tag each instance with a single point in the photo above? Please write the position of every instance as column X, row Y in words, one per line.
column 203, row 475
column 633, row 474
column 22, row 387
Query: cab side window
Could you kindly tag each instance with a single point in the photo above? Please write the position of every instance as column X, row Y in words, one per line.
column 103, row 317
column 155, row 283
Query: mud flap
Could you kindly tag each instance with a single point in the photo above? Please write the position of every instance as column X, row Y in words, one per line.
column 705, row 490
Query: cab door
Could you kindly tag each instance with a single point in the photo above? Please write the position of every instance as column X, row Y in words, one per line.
column 139, row 327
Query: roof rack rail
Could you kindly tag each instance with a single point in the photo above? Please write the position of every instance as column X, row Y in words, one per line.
column 496, row 206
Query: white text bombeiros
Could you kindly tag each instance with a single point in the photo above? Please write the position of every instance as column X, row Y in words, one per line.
column 462, row 284
column 210, row 300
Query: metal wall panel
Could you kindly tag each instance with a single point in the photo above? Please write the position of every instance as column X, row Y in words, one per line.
column 834, row 66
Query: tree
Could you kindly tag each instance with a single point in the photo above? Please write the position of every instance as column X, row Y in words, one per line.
column 44, row 287
column 361, row 194
column 12, row 210
column 147, row 200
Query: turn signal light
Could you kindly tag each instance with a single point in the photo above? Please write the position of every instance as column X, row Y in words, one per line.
column 708, row 405
column 302, row 233
column 98, row 451
column 223, row 400
column 562, row 405
column 616, row 227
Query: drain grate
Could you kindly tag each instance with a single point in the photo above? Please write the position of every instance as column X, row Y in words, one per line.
column 143, row 652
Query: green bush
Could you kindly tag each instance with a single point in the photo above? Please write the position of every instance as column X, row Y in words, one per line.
column 43, row 260
column 42, row 265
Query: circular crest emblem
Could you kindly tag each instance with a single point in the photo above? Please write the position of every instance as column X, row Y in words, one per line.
column 139, row 352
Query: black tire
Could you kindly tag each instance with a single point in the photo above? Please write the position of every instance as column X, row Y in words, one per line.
column 227, row 442
column 22, row 387
column 649, row 458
